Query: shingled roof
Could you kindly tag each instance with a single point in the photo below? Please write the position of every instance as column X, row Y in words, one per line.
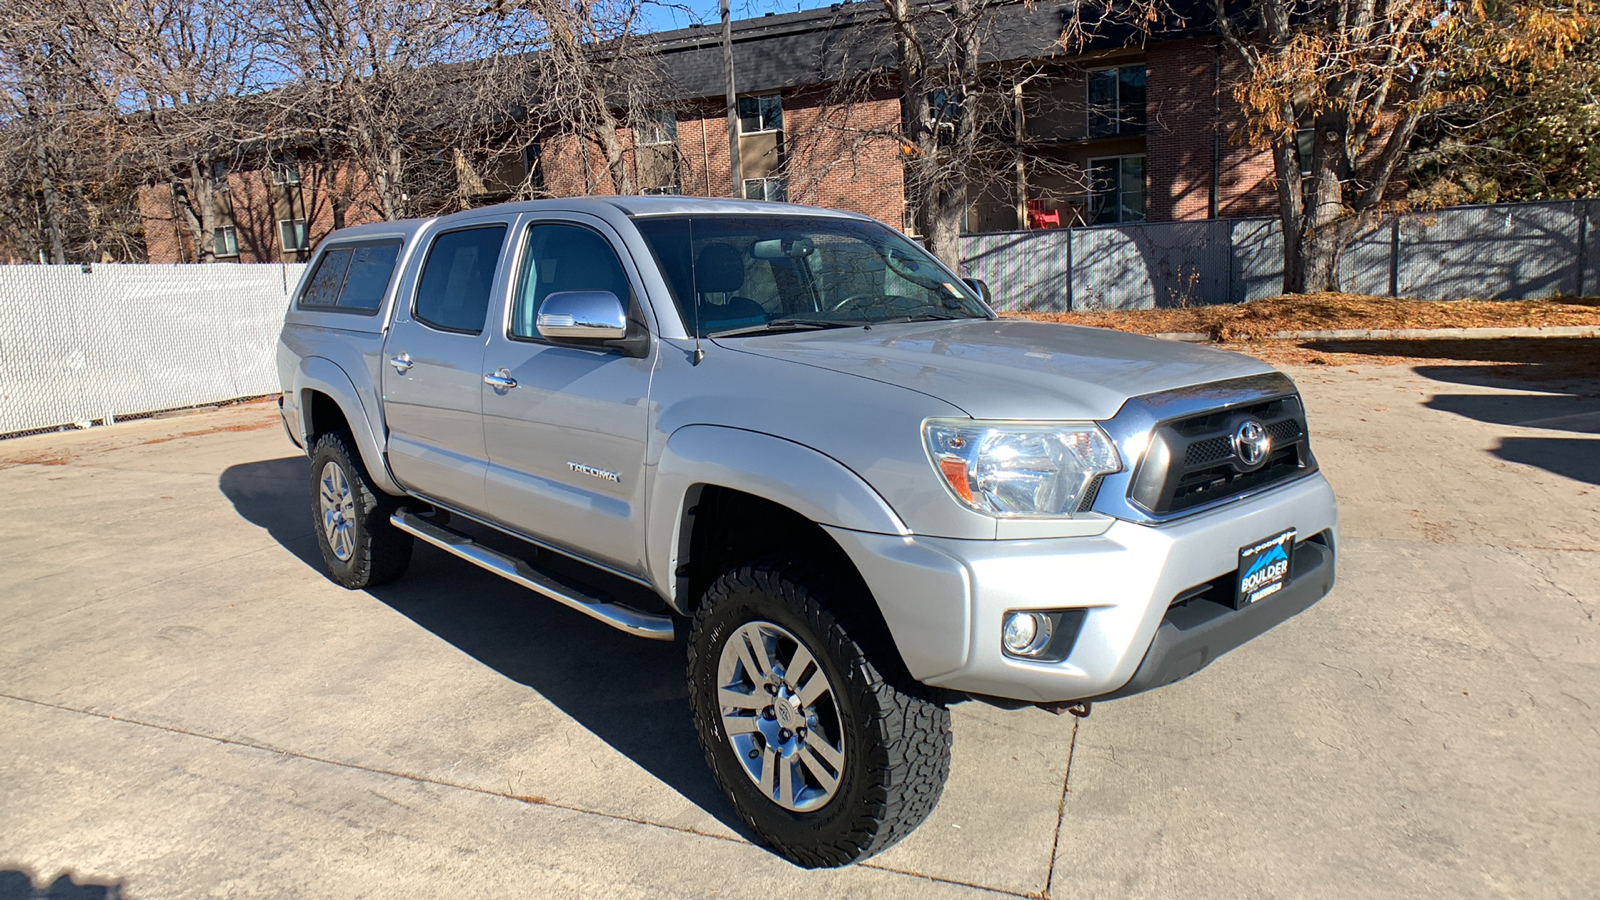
column 817, row 46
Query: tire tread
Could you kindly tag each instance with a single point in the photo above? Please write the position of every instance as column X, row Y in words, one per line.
column 383, row 552
column 910, row 729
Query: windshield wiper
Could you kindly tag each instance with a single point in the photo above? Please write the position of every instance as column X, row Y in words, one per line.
column 919, row 317
column 786, row 325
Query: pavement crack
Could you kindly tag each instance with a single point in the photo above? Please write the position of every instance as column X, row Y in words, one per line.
column 1061, row 811
column 1587, row 612
column 942, row 880
column 475, row 789
column 375, row 770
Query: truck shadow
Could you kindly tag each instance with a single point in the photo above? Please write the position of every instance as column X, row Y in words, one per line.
column 626, row 691
column 19, row 884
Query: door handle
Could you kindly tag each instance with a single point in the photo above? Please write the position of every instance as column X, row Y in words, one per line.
column 500, row 380
column 401, row 363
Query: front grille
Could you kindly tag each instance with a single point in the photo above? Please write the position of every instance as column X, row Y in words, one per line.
column 1208, row 451
column 1191, row 461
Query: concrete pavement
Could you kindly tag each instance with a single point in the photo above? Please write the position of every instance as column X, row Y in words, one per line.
column 188, row 708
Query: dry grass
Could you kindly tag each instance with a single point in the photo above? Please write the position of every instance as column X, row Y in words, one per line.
column 1328, row 312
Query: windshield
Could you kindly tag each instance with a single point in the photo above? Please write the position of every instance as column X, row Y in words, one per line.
column 750, row 274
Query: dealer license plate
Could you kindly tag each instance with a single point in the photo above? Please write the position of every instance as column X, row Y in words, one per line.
column 1264, row 568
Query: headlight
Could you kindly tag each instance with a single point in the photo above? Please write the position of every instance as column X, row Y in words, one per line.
column 1019, row 468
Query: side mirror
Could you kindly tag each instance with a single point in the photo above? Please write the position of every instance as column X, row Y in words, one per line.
column 980, row 288
column 582, row 317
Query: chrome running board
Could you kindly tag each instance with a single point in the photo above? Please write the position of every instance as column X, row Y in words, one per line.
column 655, row 626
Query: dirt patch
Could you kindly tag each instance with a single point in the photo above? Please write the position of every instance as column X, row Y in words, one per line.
column 37, row 459
column 217, row 429
column 1329, row 312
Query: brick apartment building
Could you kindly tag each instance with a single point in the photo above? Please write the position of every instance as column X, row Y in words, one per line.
column 1116, row 134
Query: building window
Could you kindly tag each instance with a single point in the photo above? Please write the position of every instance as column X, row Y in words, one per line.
column 219, row 174
column 1116, row 189
column 1303, row 142
column 225, row 241
column 285, row 171
column 1116, row 101
column 772, row 189
column 944, row 108
column 664, row 190
column 759, row 114
column 657, row 126
column 531, row 167
column 295, row 236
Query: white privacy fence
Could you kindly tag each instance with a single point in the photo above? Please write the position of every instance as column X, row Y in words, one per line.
column 119, row 340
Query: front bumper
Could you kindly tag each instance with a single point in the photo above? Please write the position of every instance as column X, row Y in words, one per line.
column 944, row 599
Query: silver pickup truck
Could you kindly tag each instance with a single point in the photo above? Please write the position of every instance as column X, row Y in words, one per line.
column 794, row 439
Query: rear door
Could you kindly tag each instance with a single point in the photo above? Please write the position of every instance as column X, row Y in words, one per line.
column 433, row 365
column 567, row 443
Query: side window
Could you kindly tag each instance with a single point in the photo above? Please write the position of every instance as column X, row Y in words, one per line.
column 352, row 279
column 453, row 293
column 371, row 267
column 563, row 258
column 323, row 289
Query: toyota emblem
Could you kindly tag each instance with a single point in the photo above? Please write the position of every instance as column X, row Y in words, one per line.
column 1251, row 443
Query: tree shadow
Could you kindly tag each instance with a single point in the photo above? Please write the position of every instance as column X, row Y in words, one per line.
column 1545, row 383
column 1567, row 364
column 18, row 884
column 630, row 693
column 1574, row 458
column 1554, row 412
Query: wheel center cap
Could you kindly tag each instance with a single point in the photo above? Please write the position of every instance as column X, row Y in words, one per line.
column 788, row 715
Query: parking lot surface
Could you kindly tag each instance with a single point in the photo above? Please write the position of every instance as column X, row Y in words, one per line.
column 189, row 708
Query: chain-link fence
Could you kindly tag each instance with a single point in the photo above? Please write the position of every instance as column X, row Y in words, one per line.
column 1506, row 252
column 80, row 344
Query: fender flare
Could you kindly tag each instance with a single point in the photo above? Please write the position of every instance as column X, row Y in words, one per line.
column 790, row 474
column 323, row 375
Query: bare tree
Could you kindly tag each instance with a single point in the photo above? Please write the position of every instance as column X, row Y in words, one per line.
column 597, row 78
column 54, row 109
column 181, row 69
column 366, row 86
column 959, row 94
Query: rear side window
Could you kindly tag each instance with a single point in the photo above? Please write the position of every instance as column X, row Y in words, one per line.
column 371, row 268
column 323, row 291
column 352, row 279
column 453, row 293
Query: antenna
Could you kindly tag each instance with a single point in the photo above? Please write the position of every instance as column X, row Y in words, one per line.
column 694, row 297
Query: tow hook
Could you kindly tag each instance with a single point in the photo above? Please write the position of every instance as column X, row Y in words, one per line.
column 1079, row 708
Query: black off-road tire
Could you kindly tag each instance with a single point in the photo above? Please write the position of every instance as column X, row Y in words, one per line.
column 379, row 552
column 896, row 736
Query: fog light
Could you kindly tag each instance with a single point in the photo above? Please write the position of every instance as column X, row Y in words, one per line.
column 1026, row 633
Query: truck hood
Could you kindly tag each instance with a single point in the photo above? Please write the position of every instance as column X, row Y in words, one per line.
column 1007, row 368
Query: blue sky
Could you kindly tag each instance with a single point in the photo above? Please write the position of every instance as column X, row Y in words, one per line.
column 663, row 18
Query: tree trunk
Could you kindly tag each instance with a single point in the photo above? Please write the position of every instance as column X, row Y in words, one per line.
column 942, row 228
column 197, row 202
column 616, row 154
column 52, row 208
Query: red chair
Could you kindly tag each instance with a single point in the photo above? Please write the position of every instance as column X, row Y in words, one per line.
column 1039, row 218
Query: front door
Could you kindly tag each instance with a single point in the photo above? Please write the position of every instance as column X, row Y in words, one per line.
column 567, row 443
column 433, row 368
